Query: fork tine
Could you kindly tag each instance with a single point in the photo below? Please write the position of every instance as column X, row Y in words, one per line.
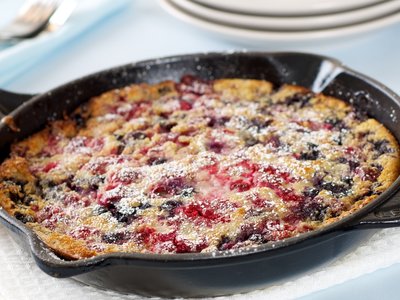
column 33, row 16
column 61, row 15
column 38, row 11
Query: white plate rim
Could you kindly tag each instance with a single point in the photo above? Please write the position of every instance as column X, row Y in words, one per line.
column 288, row 36
column 289, row 23
column 287, row 7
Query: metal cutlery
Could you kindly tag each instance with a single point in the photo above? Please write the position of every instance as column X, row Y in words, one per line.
column 36, row 16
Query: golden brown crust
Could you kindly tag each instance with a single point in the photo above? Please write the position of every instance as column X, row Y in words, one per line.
column 65, row 246
column 125, row 171
column 16, row 168
column 389, row 161
column 243, row 89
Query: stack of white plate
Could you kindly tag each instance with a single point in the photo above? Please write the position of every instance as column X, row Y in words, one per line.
column 286, row 21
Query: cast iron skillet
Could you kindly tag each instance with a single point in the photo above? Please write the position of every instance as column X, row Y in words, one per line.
column 195, row 275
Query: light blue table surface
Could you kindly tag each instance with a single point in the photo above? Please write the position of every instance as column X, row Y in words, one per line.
column 144, row 31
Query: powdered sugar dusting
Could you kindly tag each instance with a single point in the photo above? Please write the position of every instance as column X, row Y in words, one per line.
column 177, row 168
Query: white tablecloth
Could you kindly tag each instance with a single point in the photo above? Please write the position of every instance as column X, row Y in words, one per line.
column 21, row 279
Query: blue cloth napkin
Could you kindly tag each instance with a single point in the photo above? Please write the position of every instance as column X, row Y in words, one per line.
column 17, row 59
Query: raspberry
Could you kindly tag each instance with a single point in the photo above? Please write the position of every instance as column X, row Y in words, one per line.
column 50, row 166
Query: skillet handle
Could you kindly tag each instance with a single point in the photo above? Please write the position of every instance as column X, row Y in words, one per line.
column 10, row 101
column 384, row 216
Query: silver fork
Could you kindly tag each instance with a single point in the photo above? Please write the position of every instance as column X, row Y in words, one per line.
column 31, row 19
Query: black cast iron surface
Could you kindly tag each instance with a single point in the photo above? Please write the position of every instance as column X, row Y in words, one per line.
column 221, row 273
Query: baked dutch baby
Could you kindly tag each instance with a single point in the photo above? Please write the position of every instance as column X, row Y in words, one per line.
column 196, row 166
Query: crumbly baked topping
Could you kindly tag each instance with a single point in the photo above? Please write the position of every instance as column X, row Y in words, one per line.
column 196, row 166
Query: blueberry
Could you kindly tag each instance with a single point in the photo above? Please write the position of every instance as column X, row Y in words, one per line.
column 362, row 101
column 336, row 123
column 115, row 238
column 48, row 183
column 138, row 135
column 96, row 181
column 79, row 120
column 312, row 146
column 256, row 237
column 353, row 164
column 215, row 121
column 299, row 98
column 215, row 146
column 23, row 218
column 145, row 205
column 311, row 154
column 27, row 200
column 225, row 243
column 20, row 183
column 92, row 187
column 99, row 210
column 119, row 137
column 38, row 190
column 318, row 180
column 314, row 211
column 348, row 180
column 212, row 122
column 249, row 232
column 124, row 217
column 166, row 126
column 339, row 139
column 70, row 183
column 170, row 206
column 153, row 161
column 84, row 186
column 311, row 192
column 377, row 166
column 188, row 192
column 382, row 147
column 259, row 123
column 15, row 197
column 336, row 188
